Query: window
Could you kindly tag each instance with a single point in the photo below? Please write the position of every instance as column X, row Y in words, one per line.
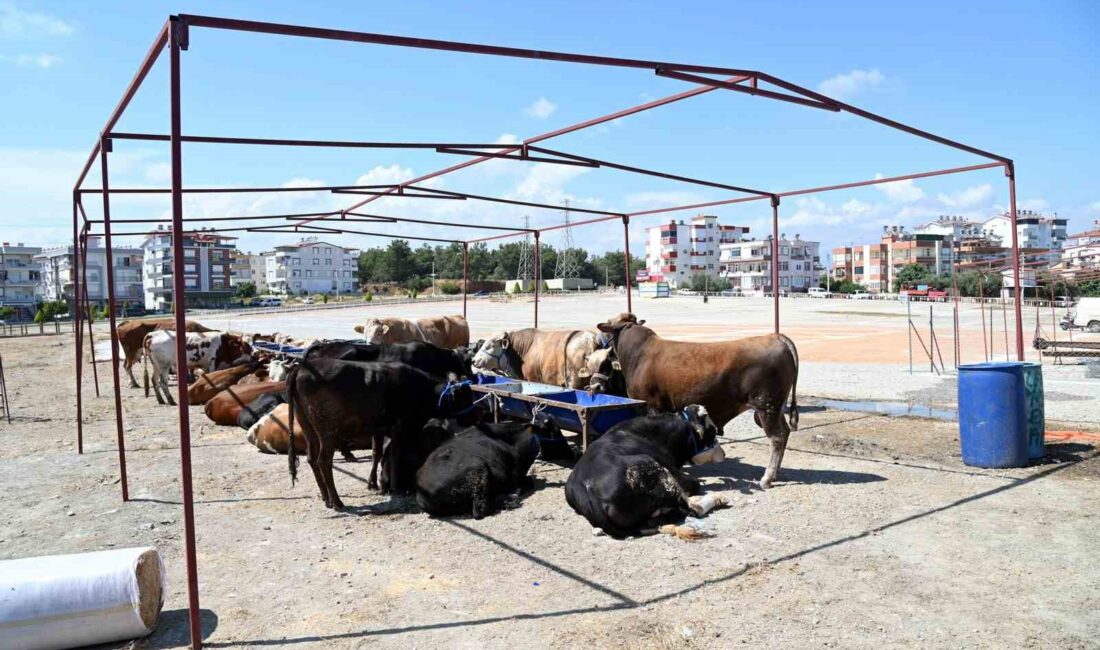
column 315, row 250
column 328, row 261
column 328, row 251
column 297, row 285
column 188, row 268
column 335, row 274
column 316, row 262
column 309, row 273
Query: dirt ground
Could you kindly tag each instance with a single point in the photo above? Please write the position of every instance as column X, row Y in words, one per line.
column 875, row 535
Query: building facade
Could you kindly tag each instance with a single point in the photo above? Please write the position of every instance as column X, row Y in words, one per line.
column 1081, row 252
column 249, row 267
column 312, row 266
column 19, row 278
column 1033, row 230
column 677, row 251
column 57, row 265
column 207, row 269
column 747, row 264
column 875, row 265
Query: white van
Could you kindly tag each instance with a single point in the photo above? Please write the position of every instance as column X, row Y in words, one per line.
column 1085, row 315
column 818, row 292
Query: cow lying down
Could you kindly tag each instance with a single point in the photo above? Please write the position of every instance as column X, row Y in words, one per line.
column 270, row 431
column 483, row 465
column 629, row 481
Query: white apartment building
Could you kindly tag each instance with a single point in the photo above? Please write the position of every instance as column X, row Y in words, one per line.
column 1081, row 252
column 747, row 264
column 677, row 251
column 57, row 265
column 207, row 261
column 19, row 278
column 312, row 266
column 1033, row 231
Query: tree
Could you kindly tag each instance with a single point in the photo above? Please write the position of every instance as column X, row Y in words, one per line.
column 910, row 274
column 40, row 317
column 246, row 290
column 6, row 312
column 449, row 288
column 976, row 283
column 370, row 265
column 701, row 282
column 1089, row 289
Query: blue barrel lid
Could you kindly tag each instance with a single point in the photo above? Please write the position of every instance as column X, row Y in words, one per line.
column 994, row 365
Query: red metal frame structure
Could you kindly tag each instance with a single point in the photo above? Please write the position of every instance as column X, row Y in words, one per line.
column 174, row 36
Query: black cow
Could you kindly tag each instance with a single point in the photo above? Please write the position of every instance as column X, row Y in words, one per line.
column 483, row 464
column 339, row 403
column 422, row 356
column 630, row 481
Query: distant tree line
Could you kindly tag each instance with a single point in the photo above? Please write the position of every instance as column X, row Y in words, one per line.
column 412, row 267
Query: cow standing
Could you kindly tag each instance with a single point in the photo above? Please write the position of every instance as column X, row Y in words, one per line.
column 728, row 378
column 131, row 338
column 337, row 403
column 204, row 350
column 630, row 481
column 557, row 357
column 440, row 331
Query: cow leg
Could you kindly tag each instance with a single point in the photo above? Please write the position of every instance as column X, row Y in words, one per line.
column 167, row 393
column 313, row 453
column 376, row 457
column 128, row 364
column 333, row 500
column 349, row 457
column 777, row 430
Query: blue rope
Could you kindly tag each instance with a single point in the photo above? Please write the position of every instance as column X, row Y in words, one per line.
column 448, row 391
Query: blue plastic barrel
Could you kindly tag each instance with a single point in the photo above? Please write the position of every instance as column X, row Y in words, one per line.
column 993, row 426
column 1036, row 410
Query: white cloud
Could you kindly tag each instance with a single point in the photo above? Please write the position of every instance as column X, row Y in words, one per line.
column 16, row 22
column 813, row 211
column 967, row 198
column 545, row 183
column 390, row 175
column 900, row 191
column 31, row 60
column 846, row 86
column 541, row 109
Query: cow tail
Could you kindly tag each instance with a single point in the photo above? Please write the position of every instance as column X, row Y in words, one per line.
column 292, row 452
column 792, row 415
column 565, row 375
column 145, row 367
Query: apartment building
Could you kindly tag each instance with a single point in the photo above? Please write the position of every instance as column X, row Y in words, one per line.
column 19, row 278
column 1034, row 231
column 249, row 267
column 312, row 266
column 1081, row 252
column 875, row 265
column 57, row 266
column 747, row 264
column 676, row 251
column 207, row 268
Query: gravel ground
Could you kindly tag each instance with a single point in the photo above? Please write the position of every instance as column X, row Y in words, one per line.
column 875, row 535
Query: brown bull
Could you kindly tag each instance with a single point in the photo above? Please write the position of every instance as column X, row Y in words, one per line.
column 209, row 384
column 728, row 378
column 441, row 331
column 224, row 407
column 558, row 357
column 131, row 335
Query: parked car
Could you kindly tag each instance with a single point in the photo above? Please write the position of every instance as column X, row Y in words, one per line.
column 1086, row 315
column 818, row 292
column 735, row 292
column 268, row 302
column 308, row 300
column 861, row 295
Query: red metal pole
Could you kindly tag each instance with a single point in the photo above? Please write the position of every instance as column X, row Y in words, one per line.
column 465, row 275
column 626, row 255
column 104, row 148
column 178, row 39
column 88, row 306
column 775, row 259
column 1010, row 171
column 78, row 330
column 538, row 275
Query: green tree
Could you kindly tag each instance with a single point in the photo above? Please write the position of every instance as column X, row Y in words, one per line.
column 246, row 290
column 370, row 265
column 449, row 288
column 701, row 282
column 910, row 274
column 1089, row 289
column 40, row 317
column 6, row 312
column 976, row 283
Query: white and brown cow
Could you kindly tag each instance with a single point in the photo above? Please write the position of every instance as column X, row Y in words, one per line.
column 441, row 331
column 558, row 357
column 204, row 350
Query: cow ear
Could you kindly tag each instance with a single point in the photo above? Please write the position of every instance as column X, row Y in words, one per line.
column 359, row 328
column 605, row 328
column 584, row 372
column 616, row 365
column 385, row 329
column 505, row 343
column 451, row 377
column 641, row 322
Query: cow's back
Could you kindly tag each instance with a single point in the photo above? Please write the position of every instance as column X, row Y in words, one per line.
column 225, row 407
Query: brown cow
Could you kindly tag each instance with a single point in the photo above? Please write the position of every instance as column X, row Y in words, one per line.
column 131, row 335
column 271, row 434
column 224, row 407
column 209, row 384
column 727, row 378
column 257, row 377
column 558, row 357
column 441, row 331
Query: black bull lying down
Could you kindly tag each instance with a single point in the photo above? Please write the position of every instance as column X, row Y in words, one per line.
column 339, row 402
column 629, row 481
column 475, row 470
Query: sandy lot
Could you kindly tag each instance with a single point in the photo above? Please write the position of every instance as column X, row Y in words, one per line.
column 875, row 535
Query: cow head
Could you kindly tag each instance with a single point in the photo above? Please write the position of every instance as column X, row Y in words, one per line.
column 624, row 317
column 600, row 367
column 374, row 330
column 548, row 442
column 466, row 353
column 277, row 370
column 496, row 356
column 704, row 435
column 455, row 397
column 232, row 348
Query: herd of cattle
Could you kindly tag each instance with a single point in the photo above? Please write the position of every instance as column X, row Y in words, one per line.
column 404, row 391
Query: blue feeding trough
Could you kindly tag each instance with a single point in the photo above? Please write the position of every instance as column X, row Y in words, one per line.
column 993, row 414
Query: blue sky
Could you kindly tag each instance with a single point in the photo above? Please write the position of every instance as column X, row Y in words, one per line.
column 1020, row 79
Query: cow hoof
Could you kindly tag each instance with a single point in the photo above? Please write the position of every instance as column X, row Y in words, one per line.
column 349, row 457
column 765, row 484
